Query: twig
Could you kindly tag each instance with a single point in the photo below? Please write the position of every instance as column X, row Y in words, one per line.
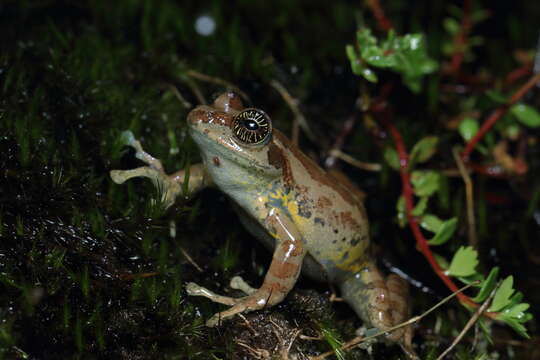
column 299, row 119
column 354, row 162
column 348, row 126
column 497, row 114
column 471, row 220
column 190, row 259
column 383, row 22
column 179, row 96
column 461, row 38
column 172, row 234
column 196, row 91
column 215, row 80
column 469, row 324
column 359, row 339
column 518, row 73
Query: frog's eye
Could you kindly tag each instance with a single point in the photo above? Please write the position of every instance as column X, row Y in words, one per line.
column 252, row 126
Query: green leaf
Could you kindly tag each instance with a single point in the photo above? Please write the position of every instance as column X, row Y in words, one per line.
column 405, row 55
column 468, row 127
column 517, row 311
column 424, row 149
column 445, row 232
column 369, row 75
column 464, row 262
column 526, row 114
column 425, row 182
column 400, row 207
column 503, row 294
column 496, row 96
column 431, row 223
column 451, row 25
column 516, row 325
column 391, row 157
column 487, row 286
column 421, row 206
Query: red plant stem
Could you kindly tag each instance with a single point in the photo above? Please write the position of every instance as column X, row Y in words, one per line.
column 384, row 23
column 497, row 114
column 461, row 38
column 518, row 73
column 407, row 192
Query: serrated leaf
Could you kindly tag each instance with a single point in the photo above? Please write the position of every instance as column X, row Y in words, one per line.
column 464, row 262
column 526, row 114
column 468, row 127
column 514, row 324
column 425, row 182
column 445, row 232
column 487, row 286
column 503, row 294
column 406, row 55
column 391, row 157
column 424, row 149
column 517, row 311
column 431, row 223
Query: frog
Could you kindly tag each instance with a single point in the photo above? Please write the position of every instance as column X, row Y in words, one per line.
column 312, row 220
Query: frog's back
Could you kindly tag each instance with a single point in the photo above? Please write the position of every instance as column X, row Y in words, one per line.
column 327, row 210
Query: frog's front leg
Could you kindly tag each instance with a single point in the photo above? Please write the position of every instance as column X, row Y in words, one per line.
column 169, row 186
column 280, row 277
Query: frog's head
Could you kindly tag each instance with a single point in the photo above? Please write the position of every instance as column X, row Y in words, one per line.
column 233, row 140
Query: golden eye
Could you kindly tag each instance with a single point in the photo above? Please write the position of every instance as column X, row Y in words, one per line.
column 252, row 126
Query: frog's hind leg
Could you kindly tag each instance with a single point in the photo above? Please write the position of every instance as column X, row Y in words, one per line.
column 381, row 303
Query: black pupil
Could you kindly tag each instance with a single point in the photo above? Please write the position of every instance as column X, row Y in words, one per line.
column 251, row 125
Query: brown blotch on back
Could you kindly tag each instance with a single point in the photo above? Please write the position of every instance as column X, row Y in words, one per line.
column 318, row 174
column 348, row 220
column 216, row 161
column 323, row 202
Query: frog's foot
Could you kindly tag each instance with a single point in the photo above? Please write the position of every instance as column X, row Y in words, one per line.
column 167, row 187
column 238, row 283
column 255, row 301
column 129, row 139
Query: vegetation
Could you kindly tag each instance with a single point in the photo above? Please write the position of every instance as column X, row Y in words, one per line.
column 431, row 109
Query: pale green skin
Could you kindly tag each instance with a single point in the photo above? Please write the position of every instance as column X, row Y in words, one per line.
column 321, row 216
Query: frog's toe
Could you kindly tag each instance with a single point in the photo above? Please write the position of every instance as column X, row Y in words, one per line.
column 194, row 290
column 118, row 176
column 238, row 283
column 127, row 137
column 213, row 321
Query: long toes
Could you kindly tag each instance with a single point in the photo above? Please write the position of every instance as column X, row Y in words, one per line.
column 194, row 289
column 117, row 176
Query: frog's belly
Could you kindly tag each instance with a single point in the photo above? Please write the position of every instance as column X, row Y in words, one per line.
column 331, row 256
